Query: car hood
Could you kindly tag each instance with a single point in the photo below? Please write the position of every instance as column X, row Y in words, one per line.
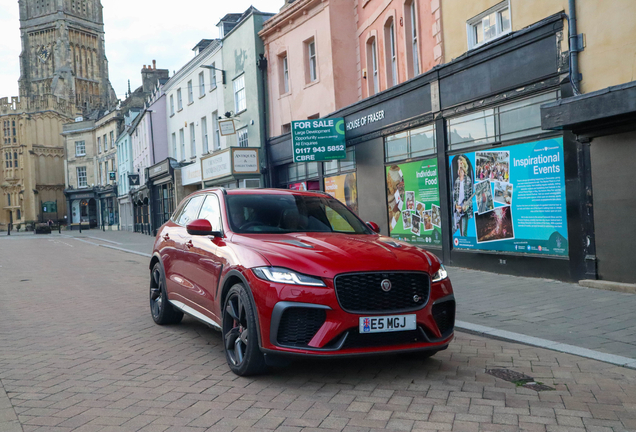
column 329, row 254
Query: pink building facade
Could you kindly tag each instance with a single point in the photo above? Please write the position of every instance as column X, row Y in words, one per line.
column 397, row 40
column 310, row 46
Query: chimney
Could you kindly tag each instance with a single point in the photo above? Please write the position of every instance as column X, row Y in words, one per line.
column 154, row 64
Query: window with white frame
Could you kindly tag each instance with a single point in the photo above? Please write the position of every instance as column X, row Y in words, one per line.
column 242, row 137
column 99, row 144
column 190, row 96
column 193, row 145
column 212, row 78
column 372, row 65
column 311, row 58
column 112, row 140
column 80, row 148
column 239, row 94
column 171, row 104
column 204, row 134
column 182, row 143
column 179, row 100
column 174, row 145
column 81, row 177
column 217, row 134
column 416, row 59
column 201, row 85
column 284, row 73
column 391, row 54
column 489, row 25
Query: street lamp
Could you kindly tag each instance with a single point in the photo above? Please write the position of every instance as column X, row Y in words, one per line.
column 221, row 70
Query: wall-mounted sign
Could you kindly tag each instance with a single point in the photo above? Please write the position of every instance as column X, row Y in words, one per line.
column 49, row 207
column 226, row 127
column 217, row 165
column 318, row 140
column 510, row 199
column 133, row 179
column 191, row 174
column 111, row 175
column 245, row 161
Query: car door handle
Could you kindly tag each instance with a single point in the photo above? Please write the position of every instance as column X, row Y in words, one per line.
column 189, row 244
column 166, row 237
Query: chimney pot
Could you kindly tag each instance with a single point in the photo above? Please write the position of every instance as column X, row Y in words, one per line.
column 154, row 64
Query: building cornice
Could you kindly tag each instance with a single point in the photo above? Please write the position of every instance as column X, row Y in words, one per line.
column 288, row 16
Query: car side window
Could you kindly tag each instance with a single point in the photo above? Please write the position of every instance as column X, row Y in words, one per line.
column 212, row 212
column 191, row 210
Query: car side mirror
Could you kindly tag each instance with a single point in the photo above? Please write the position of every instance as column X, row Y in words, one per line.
column 374, row 227
column 201, row 227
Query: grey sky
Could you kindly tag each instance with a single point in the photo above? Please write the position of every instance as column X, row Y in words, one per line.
column 137, row 32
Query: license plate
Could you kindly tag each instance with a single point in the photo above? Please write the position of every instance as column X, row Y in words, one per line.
column 381, row 324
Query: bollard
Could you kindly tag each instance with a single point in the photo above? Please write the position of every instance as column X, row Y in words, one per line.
column 9, row 229
column 80, row 227
column 59, row 228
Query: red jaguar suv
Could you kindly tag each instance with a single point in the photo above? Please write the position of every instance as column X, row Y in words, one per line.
column 296, row 273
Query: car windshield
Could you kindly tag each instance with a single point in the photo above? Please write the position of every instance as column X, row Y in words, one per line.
column 285, row 213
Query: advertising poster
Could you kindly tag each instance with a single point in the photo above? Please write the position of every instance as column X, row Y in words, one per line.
column 413, row 202
column 510, row 199
column 343, row 188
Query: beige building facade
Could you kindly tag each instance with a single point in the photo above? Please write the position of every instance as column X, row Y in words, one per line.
column 32, row 169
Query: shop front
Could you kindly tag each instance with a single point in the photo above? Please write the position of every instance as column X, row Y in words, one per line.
column 231, row 168
column 83, row 208
column 465, row 170
column 161, row 185
column 109, row 208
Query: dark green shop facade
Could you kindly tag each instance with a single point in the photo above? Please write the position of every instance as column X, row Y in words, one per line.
column 456, row 161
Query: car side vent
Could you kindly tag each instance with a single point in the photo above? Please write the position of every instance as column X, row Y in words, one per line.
column 299, row 325
column 444, row 315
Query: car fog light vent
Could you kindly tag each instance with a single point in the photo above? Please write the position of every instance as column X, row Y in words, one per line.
column 299, row 325
column 444, row 316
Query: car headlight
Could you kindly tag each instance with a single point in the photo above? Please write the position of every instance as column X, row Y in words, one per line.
column 441, row 274
column 286, row 276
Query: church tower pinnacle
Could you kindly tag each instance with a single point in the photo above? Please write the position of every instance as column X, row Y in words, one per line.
column 63, row 52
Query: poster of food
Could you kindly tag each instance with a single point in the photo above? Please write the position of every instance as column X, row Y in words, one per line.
column 510, row 199
column 413, row 202
column 343, row 188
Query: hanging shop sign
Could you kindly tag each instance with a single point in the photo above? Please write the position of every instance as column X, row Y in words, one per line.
column 133, row 179
column 226, row 127
column 510, row 199
column 344, row 188
column 413, row 202
column 112, row 175
column 318, row 140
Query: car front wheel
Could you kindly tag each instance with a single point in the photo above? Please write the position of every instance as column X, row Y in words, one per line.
column 160, row 308
column 240, row 335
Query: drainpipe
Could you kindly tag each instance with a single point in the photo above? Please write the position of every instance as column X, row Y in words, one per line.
column 574, row 48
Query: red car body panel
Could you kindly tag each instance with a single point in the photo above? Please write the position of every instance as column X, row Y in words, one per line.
column 197, row 269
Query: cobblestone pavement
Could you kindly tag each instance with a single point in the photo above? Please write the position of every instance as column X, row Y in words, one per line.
column 79, row 351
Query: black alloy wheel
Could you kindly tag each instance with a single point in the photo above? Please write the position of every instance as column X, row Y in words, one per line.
column 240, row 334
column 160, row 308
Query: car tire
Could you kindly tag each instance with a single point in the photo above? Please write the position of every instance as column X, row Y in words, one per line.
column 240, row 334
column 160, row 308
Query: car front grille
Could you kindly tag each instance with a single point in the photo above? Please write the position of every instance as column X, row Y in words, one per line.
column 299, row 325
column 355, row 339
column 363, row 293
column 444, row 316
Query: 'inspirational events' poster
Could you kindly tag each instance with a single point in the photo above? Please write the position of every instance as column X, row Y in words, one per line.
column 413, row 200
column 510, row 199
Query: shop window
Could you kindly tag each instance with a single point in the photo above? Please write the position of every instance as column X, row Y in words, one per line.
column 504, row 122
column 298, row 171
column 337, row 166
column 489, row 25
column 413, row 143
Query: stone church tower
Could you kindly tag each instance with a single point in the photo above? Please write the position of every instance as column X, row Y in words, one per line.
column 63, row 52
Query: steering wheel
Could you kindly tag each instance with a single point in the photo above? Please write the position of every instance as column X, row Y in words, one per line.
column 250, row 225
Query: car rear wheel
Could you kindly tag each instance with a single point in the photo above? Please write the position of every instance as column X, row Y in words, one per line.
column 240, row 335
column 160, row 308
